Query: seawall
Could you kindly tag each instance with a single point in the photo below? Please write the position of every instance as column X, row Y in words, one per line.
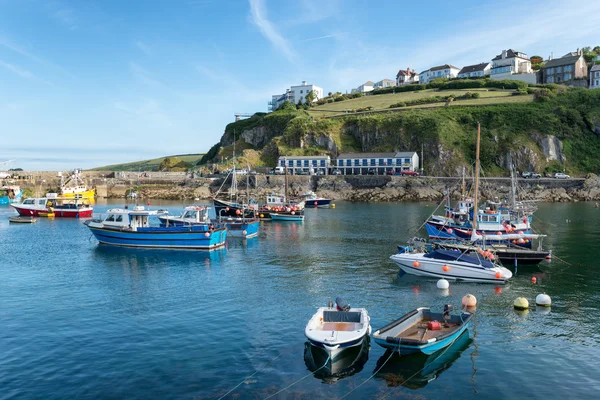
column 339, row 187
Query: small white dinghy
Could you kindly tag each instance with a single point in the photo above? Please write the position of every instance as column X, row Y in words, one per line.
column 335, row 329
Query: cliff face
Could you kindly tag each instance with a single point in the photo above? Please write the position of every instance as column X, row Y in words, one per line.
column 559, row 134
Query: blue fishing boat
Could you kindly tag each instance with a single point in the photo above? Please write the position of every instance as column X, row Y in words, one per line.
column 131, row 228
column 10, row 194
column 291, row 216
column 423, row 331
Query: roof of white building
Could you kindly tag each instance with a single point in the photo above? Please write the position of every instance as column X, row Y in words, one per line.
column 304, row 157
column 474, row 68
column 395, row 154
column 595, row 68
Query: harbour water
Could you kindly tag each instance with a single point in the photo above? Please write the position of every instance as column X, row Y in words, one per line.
column 79, row 320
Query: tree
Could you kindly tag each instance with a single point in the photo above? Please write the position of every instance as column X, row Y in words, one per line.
column 286, row 105
column 311, row 96
column 329, row 94
column 597, row 50
column 536, row 62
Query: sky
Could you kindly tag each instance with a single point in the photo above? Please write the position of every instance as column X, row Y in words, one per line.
column 90, row 83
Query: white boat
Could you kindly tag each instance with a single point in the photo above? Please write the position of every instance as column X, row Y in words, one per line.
column 335, row 329
column 451, row 265
column 312, row 200
column 192, row 215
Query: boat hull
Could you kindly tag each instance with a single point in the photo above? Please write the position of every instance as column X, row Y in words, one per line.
column 230, row 209
column 506, row 255
column 320, row 203
column 82, row 213
column 242, row 229
column 431, row 268
column 4, row 200
column 287, row 217
column 173, row 237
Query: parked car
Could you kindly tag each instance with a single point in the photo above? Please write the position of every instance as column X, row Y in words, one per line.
column 560, row 175
column 320, row 172
column 390, row 172
column 529, row 174
column 336, row 172
column 409, row 173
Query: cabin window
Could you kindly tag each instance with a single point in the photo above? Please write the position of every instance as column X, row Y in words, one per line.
column 119, row 218
column 41, row 201
column 111, row 217
column 28, row 202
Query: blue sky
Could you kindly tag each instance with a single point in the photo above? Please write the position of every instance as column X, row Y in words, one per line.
column 89, row 83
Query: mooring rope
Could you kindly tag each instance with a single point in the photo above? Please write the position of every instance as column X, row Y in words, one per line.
column 301, row 379
column 250, row 376
column 369, row 378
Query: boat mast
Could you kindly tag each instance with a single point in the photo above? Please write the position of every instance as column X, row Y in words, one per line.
column 463, row 187
column 233, row 189
column 286, row 179
column 476, row 196
column 513, row 187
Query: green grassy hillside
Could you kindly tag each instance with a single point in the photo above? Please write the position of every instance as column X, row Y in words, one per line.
column 149, row 165
column 517, row 132
column 384, row 101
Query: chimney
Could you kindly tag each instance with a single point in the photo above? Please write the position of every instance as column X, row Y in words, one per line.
column 408, row 71
column 550, row 59
column 578, row 51
column 503, row 53
column 303, row 83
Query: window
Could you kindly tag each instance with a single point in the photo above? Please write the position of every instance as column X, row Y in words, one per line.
column 398, row 161
column 306, row 163
column 364, row 161
column 290, row 163
column 356, row 162
column 389, row 161
column 29, row 201
column 314, row 163
column 302, row 91
column 559, row 69
column 550, row 71
column 550, row 79
column 597, row 74
column 322, row 163
column 119, row 218
column 597, row 82
column 568, row 68
column 111, row 217
column 381, row 161
column 407, row 160
column 567, row 77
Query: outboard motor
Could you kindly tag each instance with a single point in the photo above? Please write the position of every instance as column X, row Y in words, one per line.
column 447, row 310
column 341, row 304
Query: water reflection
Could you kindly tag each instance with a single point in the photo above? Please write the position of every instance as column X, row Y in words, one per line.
column 146, row 257
column 417, row 370
column 347, row 363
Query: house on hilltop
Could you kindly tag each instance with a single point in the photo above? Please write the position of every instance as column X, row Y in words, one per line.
column 595, row 77
column 295, row 94
column 364, row 88
column 476, row 70
column 566, row 69
column 384, row 83
column 406, row 77
column 441, row 71
column 512, row 65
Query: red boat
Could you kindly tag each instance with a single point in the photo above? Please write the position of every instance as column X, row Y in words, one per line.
column 42, row 206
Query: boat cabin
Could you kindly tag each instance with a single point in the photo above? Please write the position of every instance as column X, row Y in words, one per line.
column 130, row 219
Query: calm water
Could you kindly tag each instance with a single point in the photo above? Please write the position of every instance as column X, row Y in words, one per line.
column 78, row 320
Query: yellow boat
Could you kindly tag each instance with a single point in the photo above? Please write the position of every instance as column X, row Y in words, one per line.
column 73, row 187
column 46, row 214
column 79, row 192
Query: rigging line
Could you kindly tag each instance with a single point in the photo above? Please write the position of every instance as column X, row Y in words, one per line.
column 442, row 202
column 301, row 379
column 438, row 356
column 255, row 372
column 369, row 378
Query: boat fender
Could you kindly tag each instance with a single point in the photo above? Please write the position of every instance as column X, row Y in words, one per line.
column 341, row 304
column 434, row 326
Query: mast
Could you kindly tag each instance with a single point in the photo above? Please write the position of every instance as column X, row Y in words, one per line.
column 513, row 187
column 286, row 183
column 463, row 187
column 233, row 189
column 476, row 196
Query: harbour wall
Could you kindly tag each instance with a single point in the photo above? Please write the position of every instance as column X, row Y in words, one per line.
column 338, row 187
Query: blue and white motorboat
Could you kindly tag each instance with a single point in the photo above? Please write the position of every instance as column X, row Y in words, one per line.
column 192, row 215
column 450, row 264
column 423, row 331
column 131, row 228
column 312, row 200
column 338, row 328
column 245, row 228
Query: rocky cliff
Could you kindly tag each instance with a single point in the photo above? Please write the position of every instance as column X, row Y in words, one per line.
column 558, row 134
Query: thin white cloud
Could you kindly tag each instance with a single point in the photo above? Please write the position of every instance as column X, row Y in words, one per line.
column 7, row 43
column 268, row 30
column 22, row 72
column 144, row 47
column 333, row 35
column 144, row 76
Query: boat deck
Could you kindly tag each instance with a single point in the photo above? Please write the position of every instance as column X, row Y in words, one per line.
column 341, row 326
column 420, row 332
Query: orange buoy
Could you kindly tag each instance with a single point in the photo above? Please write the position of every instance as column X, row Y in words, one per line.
column 293, row 212
column 315, row 203
column 498, row 275
column 446, row 268
column 499, row 233
column 533, row 279
column 416, row 264
column 207, row 234
column 469, row 301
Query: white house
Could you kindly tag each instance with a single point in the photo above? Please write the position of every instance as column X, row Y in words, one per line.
column 294, row 95
column 305, row 164
column 513, row 65
column 595, row 77
column 472, row 71
column 377, row 163
column 368, row 86
column 406, row 77
column 384, row 83
column 441, row 71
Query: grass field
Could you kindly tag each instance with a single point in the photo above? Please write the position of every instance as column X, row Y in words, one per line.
column 148, row 165
column 383, row 101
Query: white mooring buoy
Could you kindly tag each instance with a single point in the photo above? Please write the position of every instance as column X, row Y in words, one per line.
column 443, row 284
column 521, row 303
column 543, row 300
